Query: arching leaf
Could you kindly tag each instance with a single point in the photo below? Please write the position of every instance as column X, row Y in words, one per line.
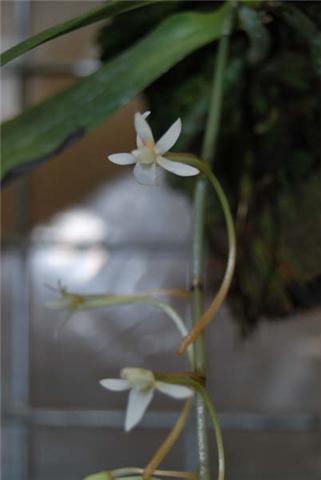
column 110, row 9
column 46, row 129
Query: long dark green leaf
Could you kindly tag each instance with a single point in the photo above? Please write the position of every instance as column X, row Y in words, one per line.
column 47, row 128
column 110, row 9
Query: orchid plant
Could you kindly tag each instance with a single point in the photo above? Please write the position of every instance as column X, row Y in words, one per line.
column 109, row 88
column 148, row 158
column 142, row 383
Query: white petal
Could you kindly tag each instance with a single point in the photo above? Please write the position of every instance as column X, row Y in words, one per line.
column 138, row 402
column 176, row 167
column 169, row 138
column 139, row 141
column 147, row 174
column 122, row 158
column 173, row 390
column 115, row 384
column 142, row 128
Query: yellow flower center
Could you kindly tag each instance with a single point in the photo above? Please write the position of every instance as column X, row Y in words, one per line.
column 139, row 378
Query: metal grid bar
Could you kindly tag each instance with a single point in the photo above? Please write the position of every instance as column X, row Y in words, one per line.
column 249, row 422
column 19, row 390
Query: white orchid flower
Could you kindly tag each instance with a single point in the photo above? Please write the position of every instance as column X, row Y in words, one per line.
column 142, row 385
column 149, row 156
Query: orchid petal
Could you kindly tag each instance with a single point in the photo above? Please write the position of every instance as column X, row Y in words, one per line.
column 177, row 167
column 173, row 390
column 142, row 128
column 122, row 158
column 139, row 141
column 115, row 384
column 169, row 138
column 147, row 174
column 138, row 402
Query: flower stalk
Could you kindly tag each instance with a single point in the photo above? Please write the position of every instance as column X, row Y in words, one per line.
column 168, row 443
column 218, row 299
column 208, row 153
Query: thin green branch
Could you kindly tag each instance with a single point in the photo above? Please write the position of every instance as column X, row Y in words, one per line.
column 169, row 441
column 217, row 301
column 218, row 433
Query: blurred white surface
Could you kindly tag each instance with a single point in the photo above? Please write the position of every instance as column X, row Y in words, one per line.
column 134, row 238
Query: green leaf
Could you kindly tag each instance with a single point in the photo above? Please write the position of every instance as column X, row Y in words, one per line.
column 46, row 129
column 112, row 8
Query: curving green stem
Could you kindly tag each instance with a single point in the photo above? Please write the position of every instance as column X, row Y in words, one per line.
column 217, row 301
column 169, row 441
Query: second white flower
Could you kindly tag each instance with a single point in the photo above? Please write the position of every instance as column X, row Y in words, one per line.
column 142, row 384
